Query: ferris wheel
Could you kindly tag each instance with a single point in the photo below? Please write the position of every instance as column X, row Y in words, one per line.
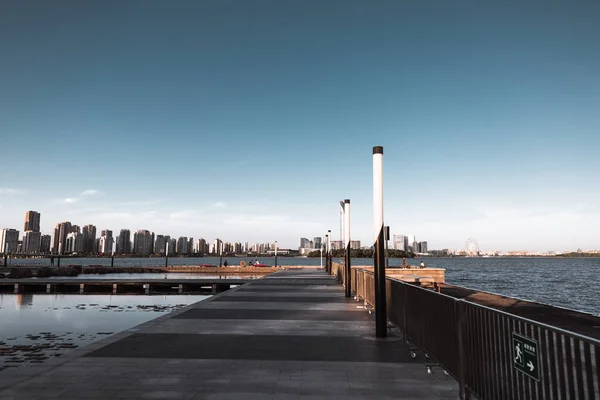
column 471, row 246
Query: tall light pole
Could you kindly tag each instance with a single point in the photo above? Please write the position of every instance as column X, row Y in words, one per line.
column 221, row 255
column 379, row 256
column 328, row 259
column 321, row 264
column 167, row 254
column 347, row 267
column 276, row 253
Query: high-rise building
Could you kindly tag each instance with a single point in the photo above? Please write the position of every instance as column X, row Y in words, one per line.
column 32, row 242
column 32, row 221
column 60, row 236
column 202, row 247
column 400, row 242
column 105, row 244
column 190, row 245
column 182, row 243
column 75, row 228
column 305, row 243
column 143, row 242
column 160, row 244
column 355, row 244
column 423, row 247
column 337, row 245
column 172, row 246
column 217, row 247
column 9, row 240
column 75, row 243
column 124, row 242
column 318, row 242
column 45, row 244
column 89, row 236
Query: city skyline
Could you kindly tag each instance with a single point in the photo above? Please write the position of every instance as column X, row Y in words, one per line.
column 255, row 120
column 67, row 237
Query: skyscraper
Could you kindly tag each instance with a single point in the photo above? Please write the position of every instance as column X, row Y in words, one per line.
column 143, row 242
column 106, row 242
column 89, row 236
column 60, row 236
column 32, row 242
column 32, row 221
column 182, row 243
column 160, row 244
column 124, row 242
column 317, row 241
column 75, row 243
column 400, row 242
column 9, row 240
column 305, row 243
column 45, row 244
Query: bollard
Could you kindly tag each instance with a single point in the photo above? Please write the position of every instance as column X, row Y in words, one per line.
column 16, row 291
column 180, row 288
column 114, row 288
column 81, row 288
column 147, row 288
column 48, row 288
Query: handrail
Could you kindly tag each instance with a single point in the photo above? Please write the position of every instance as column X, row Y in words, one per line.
column 475, row 344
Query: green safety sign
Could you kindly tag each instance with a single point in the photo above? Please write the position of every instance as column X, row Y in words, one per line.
column 525, row 356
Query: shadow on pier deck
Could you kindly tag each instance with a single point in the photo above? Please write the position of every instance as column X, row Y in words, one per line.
column 290, row 335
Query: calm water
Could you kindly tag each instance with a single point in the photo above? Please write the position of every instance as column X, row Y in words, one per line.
column 563, row 282
column 34, row 328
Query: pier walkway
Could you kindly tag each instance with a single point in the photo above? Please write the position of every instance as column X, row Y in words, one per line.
column 290, row 335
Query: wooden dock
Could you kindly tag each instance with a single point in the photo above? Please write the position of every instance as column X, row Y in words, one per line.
column 287, row 336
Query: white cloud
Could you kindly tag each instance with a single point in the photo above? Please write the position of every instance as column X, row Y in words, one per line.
column 220, row 204
column 185, row 214
column 89, row 192
column 10, row 191
column 140, row 203
column 69, row 200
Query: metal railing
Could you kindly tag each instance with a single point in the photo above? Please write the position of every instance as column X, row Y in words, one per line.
column 476, row 344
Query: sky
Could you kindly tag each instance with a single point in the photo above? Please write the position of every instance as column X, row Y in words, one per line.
column 251, row 120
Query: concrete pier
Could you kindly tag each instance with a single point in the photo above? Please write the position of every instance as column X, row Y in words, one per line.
column 290, row 335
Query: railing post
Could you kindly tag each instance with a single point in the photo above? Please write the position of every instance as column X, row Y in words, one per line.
column 405, row 307
column 459, row 317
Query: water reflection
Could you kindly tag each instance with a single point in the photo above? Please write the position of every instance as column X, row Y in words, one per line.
column 35, row 327
column 23, row 301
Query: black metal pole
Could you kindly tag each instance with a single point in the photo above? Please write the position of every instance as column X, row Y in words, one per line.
column 347, row 237
column 166, row 255
column 275, row 253
column 379, row 258
column 112, row 261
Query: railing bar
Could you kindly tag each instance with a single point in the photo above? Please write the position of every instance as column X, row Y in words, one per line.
column 588, row 370
column 482, row 356
column 507, row 357
column 597, row 356
column 561, row 361
column 523, row 394
column 492, row 365
column 570, row 371
column 551, row 377
column 578, row 369
column 526, row 379
column 470, row 345
column 493, row 353
column 533, row 384
column 497, row 354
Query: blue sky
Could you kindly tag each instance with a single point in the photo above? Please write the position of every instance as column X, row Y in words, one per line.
column 250, row 120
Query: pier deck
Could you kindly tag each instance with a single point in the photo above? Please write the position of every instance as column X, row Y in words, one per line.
column 290, row 335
